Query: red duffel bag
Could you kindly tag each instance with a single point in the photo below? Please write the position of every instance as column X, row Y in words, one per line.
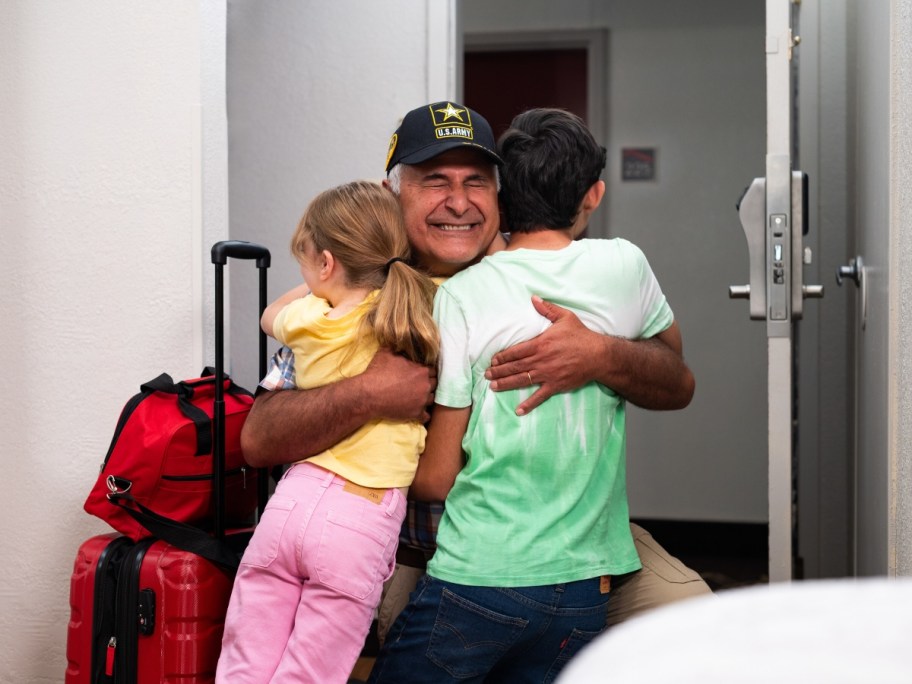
column 159, row 464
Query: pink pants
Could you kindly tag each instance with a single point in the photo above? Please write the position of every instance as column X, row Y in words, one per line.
column 309, row 582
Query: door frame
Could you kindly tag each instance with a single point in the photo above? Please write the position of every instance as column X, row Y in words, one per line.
column 595, row 43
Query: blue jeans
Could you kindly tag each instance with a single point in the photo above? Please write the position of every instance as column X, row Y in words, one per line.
column 456, row 633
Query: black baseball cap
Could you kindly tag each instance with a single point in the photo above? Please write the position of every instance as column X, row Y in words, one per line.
column 435, row 128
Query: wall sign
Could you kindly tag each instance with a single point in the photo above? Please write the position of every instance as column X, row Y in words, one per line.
column 638, row 163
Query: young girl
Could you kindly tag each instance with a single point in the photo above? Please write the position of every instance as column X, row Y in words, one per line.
column 311, row 577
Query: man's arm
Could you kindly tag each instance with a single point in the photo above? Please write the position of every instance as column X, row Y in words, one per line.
column 442, row 458
column 649, row 373
column 290, row 425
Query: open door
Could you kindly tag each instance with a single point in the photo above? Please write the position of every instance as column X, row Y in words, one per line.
column 773, row 214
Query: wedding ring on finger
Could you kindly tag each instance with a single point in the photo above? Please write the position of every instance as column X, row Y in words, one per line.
column 529, row 375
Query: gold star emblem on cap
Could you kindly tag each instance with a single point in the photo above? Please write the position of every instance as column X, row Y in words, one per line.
column 451, row 112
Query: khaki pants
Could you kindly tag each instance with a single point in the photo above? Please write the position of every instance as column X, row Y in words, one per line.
column 663, row 579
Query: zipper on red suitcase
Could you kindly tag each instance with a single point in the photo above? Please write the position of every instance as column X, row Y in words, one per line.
column 126, row 626
column 109, row 656
column 104, row 609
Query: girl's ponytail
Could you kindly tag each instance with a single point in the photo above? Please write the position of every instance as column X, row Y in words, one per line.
column 402, row 315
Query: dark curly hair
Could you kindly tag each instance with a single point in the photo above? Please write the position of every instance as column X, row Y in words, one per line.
column 550, row 161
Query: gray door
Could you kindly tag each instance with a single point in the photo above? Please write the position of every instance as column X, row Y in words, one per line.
column 872, row 318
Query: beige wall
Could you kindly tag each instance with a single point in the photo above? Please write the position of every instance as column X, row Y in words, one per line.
column 112, row 176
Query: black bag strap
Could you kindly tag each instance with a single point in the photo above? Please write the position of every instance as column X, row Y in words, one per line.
column 225, row 551
column 233, row 387
column 184, row 392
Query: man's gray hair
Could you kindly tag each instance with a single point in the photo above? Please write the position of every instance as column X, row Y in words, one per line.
column 394, row 178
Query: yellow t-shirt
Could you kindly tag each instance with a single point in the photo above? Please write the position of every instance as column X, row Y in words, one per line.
column 381, row 453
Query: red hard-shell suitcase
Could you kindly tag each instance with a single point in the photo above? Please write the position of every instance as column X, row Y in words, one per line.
column 173, row 628
column 148, row 611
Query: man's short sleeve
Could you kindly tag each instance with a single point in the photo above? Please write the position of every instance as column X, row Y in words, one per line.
column 281, row 372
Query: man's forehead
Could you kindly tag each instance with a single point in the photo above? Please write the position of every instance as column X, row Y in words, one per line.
column 457, row 159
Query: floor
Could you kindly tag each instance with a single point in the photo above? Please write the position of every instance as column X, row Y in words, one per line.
column 727, row 555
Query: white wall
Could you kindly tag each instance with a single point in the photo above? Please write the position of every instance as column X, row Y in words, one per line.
column 695, row 91
column 315, row 89
column 110, row 193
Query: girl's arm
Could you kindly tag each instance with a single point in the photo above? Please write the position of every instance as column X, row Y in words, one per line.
column 269, row 315
column 442, row 458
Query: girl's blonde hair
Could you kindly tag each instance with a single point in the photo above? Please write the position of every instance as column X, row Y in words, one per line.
column 361, row 225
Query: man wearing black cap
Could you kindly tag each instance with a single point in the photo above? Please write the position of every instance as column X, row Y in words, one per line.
column 443, row 164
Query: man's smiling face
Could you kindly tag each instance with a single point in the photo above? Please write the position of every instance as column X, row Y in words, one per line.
column 450, row 209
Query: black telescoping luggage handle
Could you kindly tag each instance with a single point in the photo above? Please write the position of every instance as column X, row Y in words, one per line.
column 240, row 249
column 221, row 251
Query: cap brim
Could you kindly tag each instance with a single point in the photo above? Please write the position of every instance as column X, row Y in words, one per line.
column 439, row 148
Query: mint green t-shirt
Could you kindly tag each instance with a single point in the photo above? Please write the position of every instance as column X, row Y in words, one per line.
column 542, row 498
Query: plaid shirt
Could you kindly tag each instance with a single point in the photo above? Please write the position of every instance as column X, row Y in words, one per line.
column 419, row 529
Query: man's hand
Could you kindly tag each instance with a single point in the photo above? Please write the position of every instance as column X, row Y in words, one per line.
column 291, row 425
column 649, row 373
column 557, row 360
column 404, row 389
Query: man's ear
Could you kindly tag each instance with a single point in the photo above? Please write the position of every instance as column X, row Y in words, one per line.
column 593, row 196
column 591, row 200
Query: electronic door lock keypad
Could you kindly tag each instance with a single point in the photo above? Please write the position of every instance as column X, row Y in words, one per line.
column 775, row 252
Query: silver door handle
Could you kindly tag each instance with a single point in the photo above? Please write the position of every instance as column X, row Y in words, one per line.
column 855, row 270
